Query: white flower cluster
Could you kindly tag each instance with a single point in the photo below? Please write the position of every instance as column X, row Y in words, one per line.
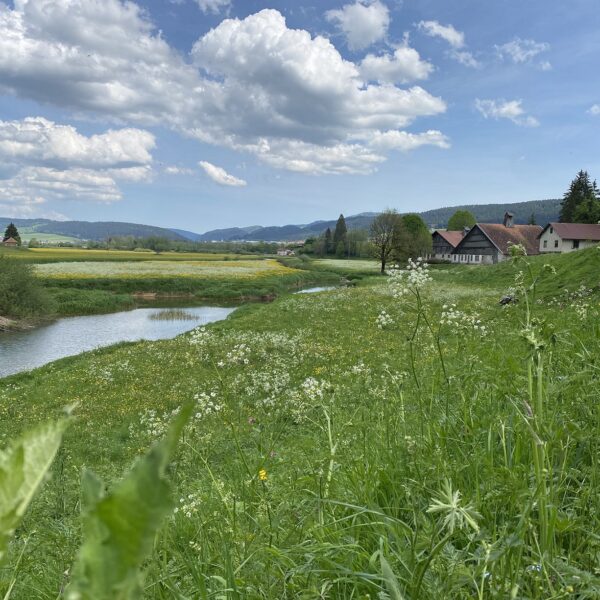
column 415, row 276
column 461, row 322
column 383, row 320
column 152, row 423
column 207, row 404
column 314, row 389
column 188, row 505
column 238, row 355
column 201, row 338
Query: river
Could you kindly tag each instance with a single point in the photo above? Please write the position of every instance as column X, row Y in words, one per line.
column 25, row 350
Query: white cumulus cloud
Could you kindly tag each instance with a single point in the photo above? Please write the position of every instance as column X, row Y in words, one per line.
column 446, row 32
column 220, row 175
column 402, row 140
column 403, row 66
column 363, row 23
column 46, row 160
column 252, row 85
column 455, row 38
column 506, row 109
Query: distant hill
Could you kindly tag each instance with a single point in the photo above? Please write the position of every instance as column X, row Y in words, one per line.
column 543, row 211
column 84, row 230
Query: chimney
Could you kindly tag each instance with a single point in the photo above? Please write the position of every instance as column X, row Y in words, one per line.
column 508, row 219
column 465, row 231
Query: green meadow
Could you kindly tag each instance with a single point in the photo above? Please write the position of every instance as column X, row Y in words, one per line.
column 407, row 438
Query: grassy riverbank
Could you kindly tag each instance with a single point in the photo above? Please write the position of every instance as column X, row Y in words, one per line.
column 441, row 446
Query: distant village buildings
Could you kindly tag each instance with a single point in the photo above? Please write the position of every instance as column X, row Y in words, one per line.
column 490, row 243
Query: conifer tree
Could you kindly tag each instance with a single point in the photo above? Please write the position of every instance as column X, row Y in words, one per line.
column 340, row 234
column 328, row 241
column 12, row 232
column 580, row 191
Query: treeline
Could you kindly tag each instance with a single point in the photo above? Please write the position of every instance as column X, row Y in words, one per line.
column 161, row 244
column 341, row 243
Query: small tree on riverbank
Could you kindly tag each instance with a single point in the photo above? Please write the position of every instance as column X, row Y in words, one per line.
column 385, row 232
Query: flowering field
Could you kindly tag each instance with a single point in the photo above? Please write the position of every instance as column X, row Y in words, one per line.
column 212, row 269
column 42, row 255
column 406, row 439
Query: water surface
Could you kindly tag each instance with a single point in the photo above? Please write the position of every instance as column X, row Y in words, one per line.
column 313, row 290
column 25, row 350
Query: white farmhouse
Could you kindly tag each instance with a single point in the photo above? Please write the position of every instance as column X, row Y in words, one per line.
column 566, row 237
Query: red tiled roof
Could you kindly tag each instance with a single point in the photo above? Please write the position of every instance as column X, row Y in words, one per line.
column 576, row 231
column 452, row 237
column 504, row 237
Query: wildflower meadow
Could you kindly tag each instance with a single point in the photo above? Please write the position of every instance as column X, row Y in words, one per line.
column 408, row 438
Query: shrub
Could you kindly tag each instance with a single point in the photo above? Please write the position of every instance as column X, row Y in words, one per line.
column 21, row 295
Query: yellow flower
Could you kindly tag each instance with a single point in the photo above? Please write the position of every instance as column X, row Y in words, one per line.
column 262, row 475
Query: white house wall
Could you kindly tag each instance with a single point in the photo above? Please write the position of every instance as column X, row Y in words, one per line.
column 554, row 243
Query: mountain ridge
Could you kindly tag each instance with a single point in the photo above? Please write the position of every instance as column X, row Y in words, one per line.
column 543, row 210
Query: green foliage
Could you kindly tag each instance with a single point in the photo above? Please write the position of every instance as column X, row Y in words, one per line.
column 21, row 294
column 119, row 527
column 580, row 203
column 461, row 219
column 414, row 239
column 12, row 232
column 340, row 236
column 23, row 467
column 386, row 231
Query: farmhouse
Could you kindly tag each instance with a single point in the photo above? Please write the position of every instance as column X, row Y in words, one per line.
column 489, row 243
column 10, row 242
column 444, row 243
column 566, row 237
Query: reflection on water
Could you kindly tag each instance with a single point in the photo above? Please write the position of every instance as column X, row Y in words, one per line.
column 24, row 350
column 316, row 289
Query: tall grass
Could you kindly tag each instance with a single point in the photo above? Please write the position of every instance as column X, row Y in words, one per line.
column 446, row 450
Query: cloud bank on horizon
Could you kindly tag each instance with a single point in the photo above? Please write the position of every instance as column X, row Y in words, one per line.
column 105, row 85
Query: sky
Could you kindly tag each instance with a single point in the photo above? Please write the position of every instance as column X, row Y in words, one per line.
column 202, row 114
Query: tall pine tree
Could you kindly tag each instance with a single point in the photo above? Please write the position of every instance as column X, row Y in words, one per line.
column 12, row 232
column 580, row 191
column 340, row 236
column 328, row 241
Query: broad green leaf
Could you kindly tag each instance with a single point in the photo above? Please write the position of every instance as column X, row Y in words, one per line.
column 23, row 467
column 119, row 527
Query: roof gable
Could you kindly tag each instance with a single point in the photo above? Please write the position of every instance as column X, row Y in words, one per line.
column 575, row 231
column 502, row 237
column 452, row 237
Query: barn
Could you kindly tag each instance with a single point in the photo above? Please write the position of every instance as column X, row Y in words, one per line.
column 489, row 243
column 444, row 242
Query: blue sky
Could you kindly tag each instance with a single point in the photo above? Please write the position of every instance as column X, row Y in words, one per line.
column 201, row 114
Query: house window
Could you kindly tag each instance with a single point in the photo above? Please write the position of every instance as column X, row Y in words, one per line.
column 551, row 229
column 477, row 258
column 545, row 243
column 575, row 244
column 556, row 243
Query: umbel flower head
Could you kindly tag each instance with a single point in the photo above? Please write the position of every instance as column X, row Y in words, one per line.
column 415, row 276
column 456, row 516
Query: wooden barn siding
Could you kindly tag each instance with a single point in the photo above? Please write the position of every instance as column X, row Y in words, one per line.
column 476, row 243
column 442, row 247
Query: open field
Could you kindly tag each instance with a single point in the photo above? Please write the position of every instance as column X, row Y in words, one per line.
column 351, row 266
column 358, row 443
column 42, row 255
column 234, row 269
